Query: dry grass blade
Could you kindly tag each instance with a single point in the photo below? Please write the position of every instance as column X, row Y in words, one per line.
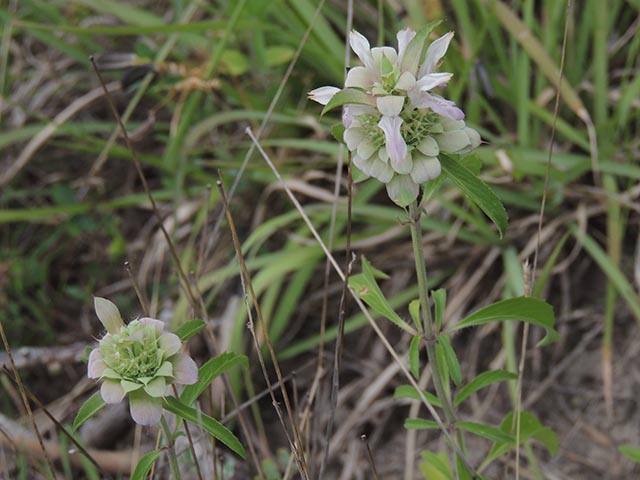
column 247, row 285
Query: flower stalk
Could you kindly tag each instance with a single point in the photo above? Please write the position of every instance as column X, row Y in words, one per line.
column 425, row 313
column 173, row 458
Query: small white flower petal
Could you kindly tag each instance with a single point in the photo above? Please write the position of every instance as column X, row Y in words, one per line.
column 429, row 147
column 383, row 155
column 156, row 387
column 396, row 146
column 406, row 82
column 453, row 141
column 360, row 77
column 170, row 343
column 433, row 80
column 405, row 166
column 474, row 138
column 96, row 365
column 362, row 164
column 322, row 95
column 129, row 387
column 435, row 52
column 353, row 136
column 157, row 324
column 404, row 37
column 425, row 169
column 380, row 170
column 165, row 370
column 402, row 190
column 366, row 148
column 185, row 370
column 391, row 105
column 108, row 314
column 111, row 391
column 360, row 45
column 145, row 410
column 379, row 52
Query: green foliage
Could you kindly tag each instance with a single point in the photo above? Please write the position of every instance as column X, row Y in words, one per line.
column 89, row 408
column 631, row 452
column 365, row 287
column 144, row 465
column 482, row 380
column 189, row 329
column 208, row 372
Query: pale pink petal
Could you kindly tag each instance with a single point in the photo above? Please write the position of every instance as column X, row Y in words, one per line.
column 396, row 146
column 402, row 190
column 405, row 166
column 158, row 324
column 435, row 52
column 322, row 95
column 366, row 148
column 96, row 365
column 360, row 77
column 111, row 391
column 379, row 52
column 185, row 370
column 425, row 169
column 361, row 47
column 406, row 82
column 156, row 387
column 145, row 410
column 353, row 136
column 433, row 80
column 170, row 343
column 440, row 105
column 429, row 147
column 404, row 37
column 380, row 170
column 108, row 314
column 391, row 105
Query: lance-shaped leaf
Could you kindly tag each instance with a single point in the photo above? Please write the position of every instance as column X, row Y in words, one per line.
column 189, row 329
column 208, row 372
column 483, row 380
column 144, row 465
column 526, row 309
column 349, row 96
column 88, row 409
column 365, row 287
column 476, row 191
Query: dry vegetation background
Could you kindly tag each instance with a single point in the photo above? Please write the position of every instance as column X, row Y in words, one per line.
column 73, row 211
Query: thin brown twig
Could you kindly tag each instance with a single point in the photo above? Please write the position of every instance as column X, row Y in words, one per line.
column 372, row 463
column 337, row 356
column 23, row 394
column 147, row 190
column 247, row 285
column 525, row 330
column 53, row 419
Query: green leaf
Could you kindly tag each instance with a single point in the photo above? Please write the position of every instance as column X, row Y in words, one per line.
column 278, row 55
column 420, row 424
column 632, row 453
column 337, row 130
column 414, row 311
column 463, row 472
column 208, row 372
column 366, row 288
column 439, row 301
column 408, row 391
column 486, row 431
column 144, row 465
column 526, row 309
column 476, row 191
column 88, row 409
column 450, row 357
column 211, row 425
column 530, row 429
column 414, row 356
column 435, row 466
column 483, row 380
column 189, row 329
column 348, row 96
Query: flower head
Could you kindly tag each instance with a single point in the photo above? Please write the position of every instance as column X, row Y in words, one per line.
column 138, row 360
column 395, row 126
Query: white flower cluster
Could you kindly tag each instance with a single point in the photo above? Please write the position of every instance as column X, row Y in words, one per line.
column 395, row 126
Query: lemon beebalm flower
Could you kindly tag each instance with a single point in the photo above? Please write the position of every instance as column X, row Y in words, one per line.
column 397, row 126
column 138, row 360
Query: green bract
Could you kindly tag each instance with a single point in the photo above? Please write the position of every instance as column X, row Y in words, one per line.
column 138, row 360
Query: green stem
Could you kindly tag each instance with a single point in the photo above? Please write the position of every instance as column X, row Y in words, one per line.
column 173, row 459
column 427, row 321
